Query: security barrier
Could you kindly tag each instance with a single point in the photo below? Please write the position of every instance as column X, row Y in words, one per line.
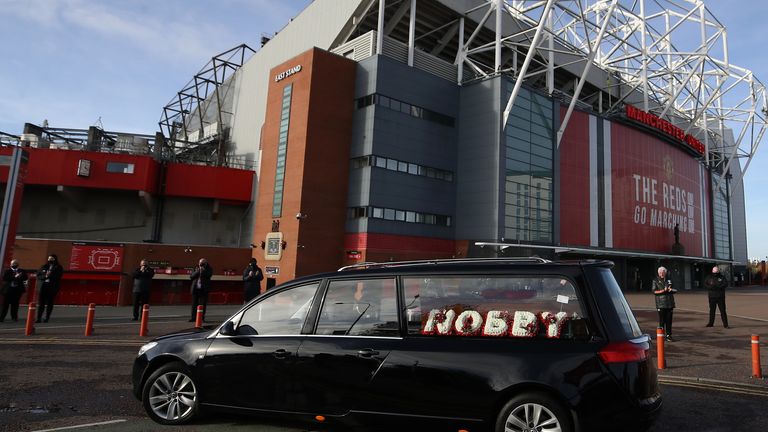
column 199, row 318
column 30, row 329
column 144, row 320
column 89, row 319
column 756, row 369
column 661, row 361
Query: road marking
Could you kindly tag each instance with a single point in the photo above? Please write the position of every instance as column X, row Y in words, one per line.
column 719, row 387
column 82, row 426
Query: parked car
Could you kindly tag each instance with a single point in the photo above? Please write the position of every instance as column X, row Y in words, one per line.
column 491, row 344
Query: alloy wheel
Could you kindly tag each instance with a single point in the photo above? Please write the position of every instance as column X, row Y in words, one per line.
column 172, row 396
column 532, row 417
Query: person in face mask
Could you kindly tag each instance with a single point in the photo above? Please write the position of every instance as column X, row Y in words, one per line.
column 14, row 285
column 48, row 279
column 201, row 286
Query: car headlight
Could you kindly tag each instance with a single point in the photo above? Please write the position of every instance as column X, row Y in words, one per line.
column 147, row 347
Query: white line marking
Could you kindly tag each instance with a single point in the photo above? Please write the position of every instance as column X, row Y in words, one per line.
column 82, row 426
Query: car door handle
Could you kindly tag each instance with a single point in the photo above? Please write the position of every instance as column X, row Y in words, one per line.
column 281, row 353
column 367, row 352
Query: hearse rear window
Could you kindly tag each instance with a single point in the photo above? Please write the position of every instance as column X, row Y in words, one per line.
column 359, row 307
column 516, row 307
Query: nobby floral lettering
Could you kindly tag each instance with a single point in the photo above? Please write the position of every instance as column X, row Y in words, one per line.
column 496, row 323
column 553, row 323
column 439, row 321
column 524, row 324
column 469, row 323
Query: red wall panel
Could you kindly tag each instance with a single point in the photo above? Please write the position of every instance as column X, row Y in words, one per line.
column 208, row 182
column 59, row 167
column 363, row 241
column 655, row 186
column 574, row 181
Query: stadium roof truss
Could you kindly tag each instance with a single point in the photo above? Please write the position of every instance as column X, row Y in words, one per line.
column 667, row 57
column 193, row 121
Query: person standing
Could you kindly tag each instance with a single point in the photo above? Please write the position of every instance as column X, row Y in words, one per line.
column 252, row 277
column 14, row 281
column 665, row 300
column 142, row 281
column 201, row 286
column 49, row 278
column 716, row 284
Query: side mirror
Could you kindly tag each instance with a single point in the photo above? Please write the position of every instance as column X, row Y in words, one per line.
column 228, row 329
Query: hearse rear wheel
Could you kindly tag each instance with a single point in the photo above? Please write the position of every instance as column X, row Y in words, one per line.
column 533, row 412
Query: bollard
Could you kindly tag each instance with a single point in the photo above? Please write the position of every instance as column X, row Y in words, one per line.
column 89, row 319
column 30, row 319
column 199, row 319
column 661, row 362
column 756, row 369
column 144, row 320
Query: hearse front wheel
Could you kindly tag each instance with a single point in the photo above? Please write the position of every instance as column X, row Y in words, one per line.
column 170, row 396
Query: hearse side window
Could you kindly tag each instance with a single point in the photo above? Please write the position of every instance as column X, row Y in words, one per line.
column 281, row 314
column 365, row 307
column 544, row 307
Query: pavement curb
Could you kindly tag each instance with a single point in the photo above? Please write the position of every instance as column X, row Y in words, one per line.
column 754, row 389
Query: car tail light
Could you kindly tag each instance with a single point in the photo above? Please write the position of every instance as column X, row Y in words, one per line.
column 624, row 352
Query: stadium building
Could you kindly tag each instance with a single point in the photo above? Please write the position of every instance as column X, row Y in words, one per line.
column 390, row 130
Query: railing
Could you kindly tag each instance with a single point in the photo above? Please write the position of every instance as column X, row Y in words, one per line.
column 508, row 260
column 364, row 46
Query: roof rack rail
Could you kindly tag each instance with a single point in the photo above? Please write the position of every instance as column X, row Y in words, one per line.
column 367, row 265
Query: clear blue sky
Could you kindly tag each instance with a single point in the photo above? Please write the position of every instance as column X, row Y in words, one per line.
column 75, row 61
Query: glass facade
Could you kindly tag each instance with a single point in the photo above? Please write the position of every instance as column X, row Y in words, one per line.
column 405, row 108
column 528, row 157
column 282, row 149
column 721, row 218
column 401, row 166
column 399, row 215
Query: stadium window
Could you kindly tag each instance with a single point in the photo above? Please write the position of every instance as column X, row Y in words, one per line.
column 120, row 167
column 381, row 162
column 359, row 212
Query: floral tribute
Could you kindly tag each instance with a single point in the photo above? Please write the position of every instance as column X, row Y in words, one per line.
column 554, row 323
column 520, row 324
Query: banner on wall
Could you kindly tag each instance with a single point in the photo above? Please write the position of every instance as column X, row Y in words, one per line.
column 623, row 188
column 96, row 257
column 659, row 194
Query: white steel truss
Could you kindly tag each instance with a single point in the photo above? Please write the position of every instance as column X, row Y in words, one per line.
column 668, row 57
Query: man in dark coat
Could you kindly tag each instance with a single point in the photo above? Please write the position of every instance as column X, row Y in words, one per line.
column 201, row 286
column 716, row 284
column 665, row 301
column 142, row 281
column 14, row 281
column 252, row 277
column 48, row 279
